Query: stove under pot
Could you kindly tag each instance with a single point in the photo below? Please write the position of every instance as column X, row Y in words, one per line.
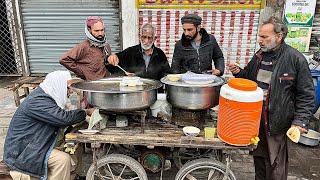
column 138, row 115
column 184, row 117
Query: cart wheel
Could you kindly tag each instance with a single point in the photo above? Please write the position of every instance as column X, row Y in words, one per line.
column 204, row 168
column 183, row 155
column 117, row 167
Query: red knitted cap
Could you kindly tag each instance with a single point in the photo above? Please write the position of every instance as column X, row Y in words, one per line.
column 91, row 20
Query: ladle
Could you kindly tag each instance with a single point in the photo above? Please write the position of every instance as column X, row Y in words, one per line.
column 127, row 73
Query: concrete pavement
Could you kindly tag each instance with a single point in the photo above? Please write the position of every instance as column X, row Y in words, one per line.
column 7, row 109
column 7, row 105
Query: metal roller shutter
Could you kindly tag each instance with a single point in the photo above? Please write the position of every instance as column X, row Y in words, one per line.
column 54, row 26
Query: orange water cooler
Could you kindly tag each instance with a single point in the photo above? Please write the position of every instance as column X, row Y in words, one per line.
column 240, row 106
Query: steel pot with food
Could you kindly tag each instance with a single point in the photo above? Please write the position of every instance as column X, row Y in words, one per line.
column 120, row 93
column 193, row 94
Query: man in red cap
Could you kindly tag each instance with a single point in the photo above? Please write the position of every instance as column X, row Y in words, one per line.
column 86, row 59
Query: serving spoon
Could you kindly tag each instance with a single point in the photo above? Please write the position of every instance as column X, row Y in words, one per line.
column 126, row 72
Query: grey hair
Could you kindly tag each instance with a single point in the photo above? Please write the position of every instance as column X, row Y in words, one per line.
column 278, row 26
column 145, row 27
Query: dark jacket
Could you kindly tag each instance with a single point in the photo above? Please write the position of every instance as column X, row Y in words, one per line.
column 291, row 92
column 186, row 58
column 131, row 59
column 32, row 131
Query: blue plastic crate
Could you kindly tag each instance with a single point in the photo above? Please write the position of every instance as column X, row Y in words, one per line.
column 316, row 81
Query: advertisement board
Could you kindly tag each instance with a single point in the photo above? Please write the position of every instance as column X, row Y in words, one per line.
column 298, row 16
column 199, row 4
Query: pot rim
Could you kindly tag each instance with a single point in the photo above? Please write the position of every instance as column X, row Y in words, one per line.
column 218, row 82
column 157, row 84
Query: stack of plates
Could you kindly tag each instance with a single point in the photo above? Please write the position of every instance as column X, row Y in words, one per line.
column 192, row 78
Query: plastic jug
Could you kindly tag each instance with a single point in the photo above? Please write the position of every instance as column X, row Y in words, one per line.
column 240, row 107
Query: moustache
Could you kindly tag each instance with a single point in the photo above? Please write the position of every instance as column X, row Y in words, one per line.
column 100, row 38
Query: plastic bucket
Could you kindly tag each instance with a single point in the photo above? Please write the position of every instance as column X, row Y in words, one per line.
column 316, row 81
column 240, row 106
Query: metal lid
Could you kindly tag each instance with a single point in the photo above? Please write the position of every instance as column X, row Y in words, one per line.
column 112, row 85
column 217, row 82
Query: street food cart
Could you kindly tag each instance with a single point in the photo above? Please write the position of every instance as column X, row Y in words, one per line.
column 148, row 143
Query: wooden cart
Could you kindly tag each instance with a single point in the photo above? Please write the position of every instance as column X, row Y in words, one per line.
column 155, row 135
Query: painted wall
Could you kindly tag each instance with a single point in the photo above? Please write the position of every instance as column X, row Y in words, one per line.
column 129, row 23
column 233, row 23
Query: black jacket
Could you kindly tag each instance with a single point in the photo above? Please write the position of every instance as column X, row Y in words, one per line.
column 291, row 92
column 186, row 58
column 33, row 130
column 131, row 59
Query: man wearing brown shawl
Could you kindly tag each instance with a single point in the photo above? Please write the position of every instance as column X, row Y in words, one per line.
column 86, row 59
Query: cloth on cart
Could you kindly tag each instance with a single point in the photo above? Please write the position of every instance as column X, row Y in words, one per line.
column 95, row 118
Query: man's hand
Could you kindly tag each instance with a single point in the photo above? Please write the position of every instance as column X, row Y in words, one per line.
column 90, row 111
column 301, row 129
column 216, row 72
column 113, row 60
column 234, row 68
column 84, row 104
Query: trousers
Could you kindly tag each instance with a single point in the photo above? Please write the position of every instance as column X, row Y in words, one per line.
column 59, row 168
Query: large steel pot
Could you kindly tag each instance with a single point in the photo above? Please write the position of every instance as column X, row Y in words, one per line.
column 109, row 95
column 193, row 97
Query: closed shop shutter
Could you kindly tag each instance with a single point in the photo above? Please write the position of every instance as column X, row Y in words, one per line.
column 234, row 28
column 315, row 28
column 52, row 27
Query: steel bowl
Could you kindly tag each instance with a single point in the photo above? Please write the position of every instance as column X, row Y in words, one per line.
column 109, row 95
column 311, row 138
column 193, row 96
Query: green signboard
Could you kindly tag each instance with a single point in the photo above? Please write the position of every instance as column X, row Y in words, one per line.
column 298, row 16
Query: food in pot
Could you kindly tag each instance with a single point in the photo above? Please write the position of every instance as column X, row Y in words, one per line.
column 174, row 77
column 131, row 81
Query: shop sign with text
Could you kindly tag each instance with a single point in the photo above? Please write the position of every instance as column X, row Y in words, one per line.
column 204, row 4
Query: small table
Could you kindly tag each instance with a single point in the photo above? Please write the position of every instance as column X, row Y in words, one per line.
column 25, row 83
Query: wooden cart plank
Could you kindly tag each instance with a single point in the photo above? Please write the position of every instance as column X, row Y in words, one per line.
column 168, row 137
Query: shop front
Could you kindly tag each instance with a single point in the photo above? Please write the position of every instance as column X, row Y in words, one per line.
column 233, row 23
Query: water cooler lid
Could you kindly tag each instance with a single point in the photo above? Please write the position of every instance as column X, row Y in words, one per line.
column 242, row 84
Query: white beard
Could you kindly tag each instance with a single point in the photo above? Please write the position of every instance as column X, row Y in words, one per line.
column 146, row 47
column 270, row 46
